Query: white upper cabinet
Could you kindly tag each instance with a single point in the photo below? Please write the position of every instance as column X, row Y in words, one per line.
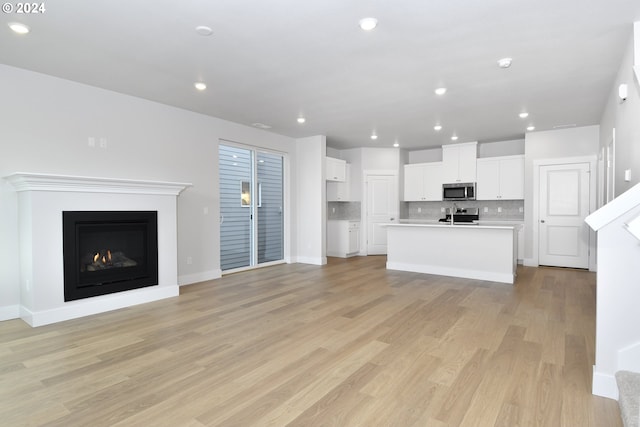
column 500, row 178
column 423, row 182
column 459, row 162
column 336, row 169
column 340, row 191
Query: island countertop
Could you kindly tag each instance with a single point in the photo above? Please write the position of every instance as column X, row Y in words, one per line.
column 433, row 223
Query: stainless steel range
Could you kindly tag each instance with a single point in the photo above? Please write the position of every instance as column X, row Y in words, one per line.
column 461, row 215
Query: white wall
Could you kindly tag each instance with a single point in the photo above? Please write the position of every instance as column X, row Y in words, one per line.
column 426, row 156
column 46, row 123
column 617, row 337
column 625, row 118
column 311, row 200
column 485, row 149
column 573, row 142
column 501, row 148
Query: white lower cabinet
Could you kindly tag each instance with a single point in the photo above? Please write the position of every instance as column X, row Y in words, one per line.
column 521, row 243
column 343, row 238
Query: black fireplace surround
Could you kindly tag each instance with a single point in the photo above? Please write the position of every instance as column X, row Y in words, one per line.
column 108, row 251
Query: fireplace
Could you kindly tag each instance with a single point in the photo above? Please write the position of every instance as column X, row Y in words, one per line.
column 108, row 251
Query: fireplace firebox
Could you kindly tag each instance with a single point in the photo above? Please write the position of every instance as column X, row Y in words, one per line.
column 108, row 251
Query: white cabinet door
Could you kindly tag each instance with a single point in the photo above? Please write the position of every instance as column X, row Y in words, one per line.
column 488, row 184
column 467, row 163
column 512, row 178
column 433, row 182
column 521, row 242
column 340, row 191
column 423, row 182
column 413, row 183
column 343, row 238
column 459, row 162
column 450, row 163
column 500, row 178
column 354, row 237
column 336, row 169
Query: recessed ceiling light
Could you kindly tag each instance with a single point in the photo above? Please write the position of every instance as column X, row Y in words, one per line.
column 523, row 115
column 203, row 30
column 504, row 62
column 437, row 128
column 260, row 161
column 395, row 144
column 454, row 138
column 530, row 128
column 368, row 24
column 200, row 85
column 441, row 91
column 301, row 120
column 19, row 28
column 374, row 136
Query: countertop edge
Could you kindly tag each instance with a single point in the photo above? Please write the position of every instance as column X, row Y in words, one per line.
column 469, row 226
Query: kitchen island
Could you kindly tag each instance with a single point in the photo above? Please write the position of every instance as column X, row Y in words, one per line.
column 474, row 251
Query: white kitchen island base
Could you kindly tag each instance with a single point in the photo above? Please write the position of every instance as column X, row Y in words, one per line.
column 484, row 252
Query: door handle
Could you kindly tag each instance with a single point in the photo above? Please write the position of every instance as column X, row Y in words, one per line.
column 542, row 221
column 391, row 219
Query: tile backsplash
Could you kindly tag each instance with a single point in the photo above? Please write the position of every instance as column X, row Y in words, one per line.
column 510, row 209
column 343, row 210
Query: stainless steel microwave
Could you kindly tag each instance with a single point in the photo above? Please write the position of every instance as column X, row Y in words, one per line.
column 459, row 191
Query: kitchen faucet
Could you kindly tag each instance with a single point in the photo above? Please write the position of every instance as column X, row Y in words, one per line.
column 453, row 209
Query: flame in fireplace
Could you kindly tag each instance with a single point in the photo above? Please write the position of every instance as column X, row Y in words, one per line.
column 104, row 258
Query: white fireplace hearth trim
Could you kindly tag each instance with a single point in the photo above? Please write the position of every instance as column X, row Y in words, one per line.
column 89, row 306
column 42, row 198
column 26, row 181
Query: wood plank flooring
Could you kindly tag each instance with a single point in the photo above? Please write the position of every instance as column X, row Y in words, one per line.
column 346, row 344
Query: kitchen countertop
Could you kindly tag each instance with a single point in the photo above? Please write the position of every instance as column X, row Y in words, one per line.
column 436, row 223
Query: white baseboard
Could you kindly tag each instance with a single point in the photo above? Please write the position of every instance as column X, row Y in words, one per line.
column 188, row 279
column 446, row 271
column 9, row 312
column 530, row 262
column 604, row 385
column 89, row 306
column 311, row 260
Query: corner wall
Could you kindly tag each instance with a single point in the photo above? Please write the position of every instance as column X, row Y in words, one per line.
column 311, row 199
column 624, row 117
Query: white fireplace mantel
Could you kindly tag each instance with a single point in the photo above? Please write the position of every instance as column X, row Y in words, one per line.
column 41, row 200
column 24, row 181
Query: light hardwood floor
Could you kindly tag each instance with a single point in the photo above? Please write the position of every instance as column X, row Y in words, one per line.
column 346, row 344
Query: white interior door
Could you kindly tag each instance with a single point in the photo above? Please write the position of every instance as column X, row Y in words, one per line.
column 564, row 204
column 382, row 208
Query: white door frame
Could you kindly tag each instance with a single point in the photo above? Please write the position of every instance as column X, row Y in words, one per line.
column 537, row 164
column 363, row 205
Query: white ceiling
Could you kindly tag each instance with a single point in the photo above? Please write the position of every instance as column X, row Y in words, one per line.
column 269, row 61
